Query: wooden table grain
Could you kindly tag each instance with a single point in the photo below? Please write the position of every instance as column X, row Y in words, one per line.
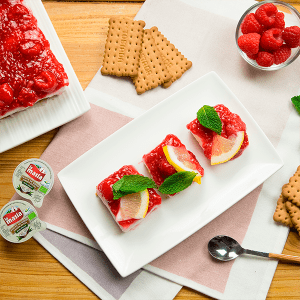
column 28, row 271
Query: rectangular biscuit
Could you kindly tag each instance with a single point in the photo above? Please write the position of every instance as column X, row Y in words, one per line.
column 292, row 190
column 281, row 213
column 294, row 212
column 123, row 47
column 175, row 62
column 152, row 70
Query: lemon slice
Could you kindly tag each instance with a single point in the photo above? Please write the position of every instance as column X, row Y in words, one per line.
column 224, row 149
column 133, row 206
column 180, row 159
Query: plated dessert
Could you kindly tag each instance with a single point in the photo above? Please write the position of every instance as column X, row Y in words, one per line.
column 220, row 133
column 170, row 157
column 29, row 71
column 128, row 209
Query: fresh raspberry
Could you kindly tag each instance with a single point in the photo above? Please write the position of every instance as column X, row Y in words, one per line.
column 249, row 43
column 252, row 56
column 279, row 21
column 265, row 14
column 282, row 54
column 250, row 24
column 265, row 59
column 271, row 39
column 291, row 36
column 6, row 94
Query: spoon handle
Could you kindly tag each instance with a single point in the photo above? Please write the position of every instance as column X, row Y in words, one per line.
column 285, row 257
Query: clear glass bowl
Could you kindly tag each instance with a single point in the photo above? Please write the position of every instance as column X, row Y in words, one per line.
column 292, row 18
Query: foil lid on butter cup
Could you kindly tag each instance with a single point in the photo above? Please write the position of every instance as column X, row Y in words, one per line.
column 33, row 179
column 19, row 221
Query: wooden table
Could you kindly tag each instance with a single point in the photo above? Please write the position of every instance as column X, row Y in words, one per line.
column 28, row 271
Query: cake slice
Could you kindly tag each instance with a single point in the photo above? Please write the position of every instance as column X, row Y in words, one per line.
column 214, row 145
column 170, row 157
column 140, row 204
column 29, row 71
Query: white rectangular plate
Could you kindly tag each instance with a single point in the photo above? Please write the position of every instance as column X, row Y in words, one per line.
column 47, row 114
column 185, row 213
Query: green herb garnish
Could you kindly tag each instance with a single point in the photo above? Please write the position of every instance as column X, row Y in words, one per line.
column 177, row 182
column 296, row 102
column 209, row 118
column 130, row 184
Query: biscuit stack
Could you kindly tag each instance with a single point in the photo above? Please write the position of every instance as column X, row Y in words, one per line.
column 288, row 204
column 145, row 55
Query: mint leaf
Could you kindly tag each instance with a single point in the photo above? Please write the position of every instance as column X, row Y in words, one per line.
column 130, row 184
column 296, row 102
column 118, row 195
column 209, row 118
column 177, row 182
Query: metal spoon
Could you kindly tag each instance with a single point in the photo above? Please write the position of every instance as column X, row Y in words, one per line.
column 225, row 248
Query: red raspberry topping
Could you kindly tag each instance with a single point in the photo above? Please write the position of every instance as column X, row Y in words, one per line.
column 27, row 97
column 282, row 54
column 18, row 11
column 265, row 59
column 249, row 43
column 6, row 94
column 271, row 39
column 11, row 43
column 46, row 81
column 265, row 14
column 291, row 36
column 165, row 168
column 250, row 24
column 31, row 48
column 279, row 21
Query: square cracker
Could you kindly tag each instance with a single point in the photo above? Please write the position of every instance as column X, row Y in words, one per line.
column 292, row 190
column 281, row 214
column 175, row 62
column 123, row 47
column 152, row 70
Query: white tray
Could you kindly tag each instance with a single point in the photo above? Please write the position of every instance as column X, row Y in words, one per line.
column 185, row 213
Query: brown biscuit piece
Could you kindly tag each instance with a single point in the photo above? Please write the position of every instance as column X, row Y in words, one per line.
column 294, row 212
column 175, row 62
column 123, row 47
column 292, row 190
column 281, row 214
column 152, row 71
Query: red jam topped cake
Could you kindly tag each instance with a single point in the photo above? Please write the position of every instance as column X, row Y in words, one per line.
column 122, row 208
column 232, row 127
column 170, row 157
column 29, row 71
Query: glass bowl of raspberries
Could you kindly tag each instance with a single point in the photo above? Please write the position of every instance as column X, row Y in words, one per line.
column 268, row 35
